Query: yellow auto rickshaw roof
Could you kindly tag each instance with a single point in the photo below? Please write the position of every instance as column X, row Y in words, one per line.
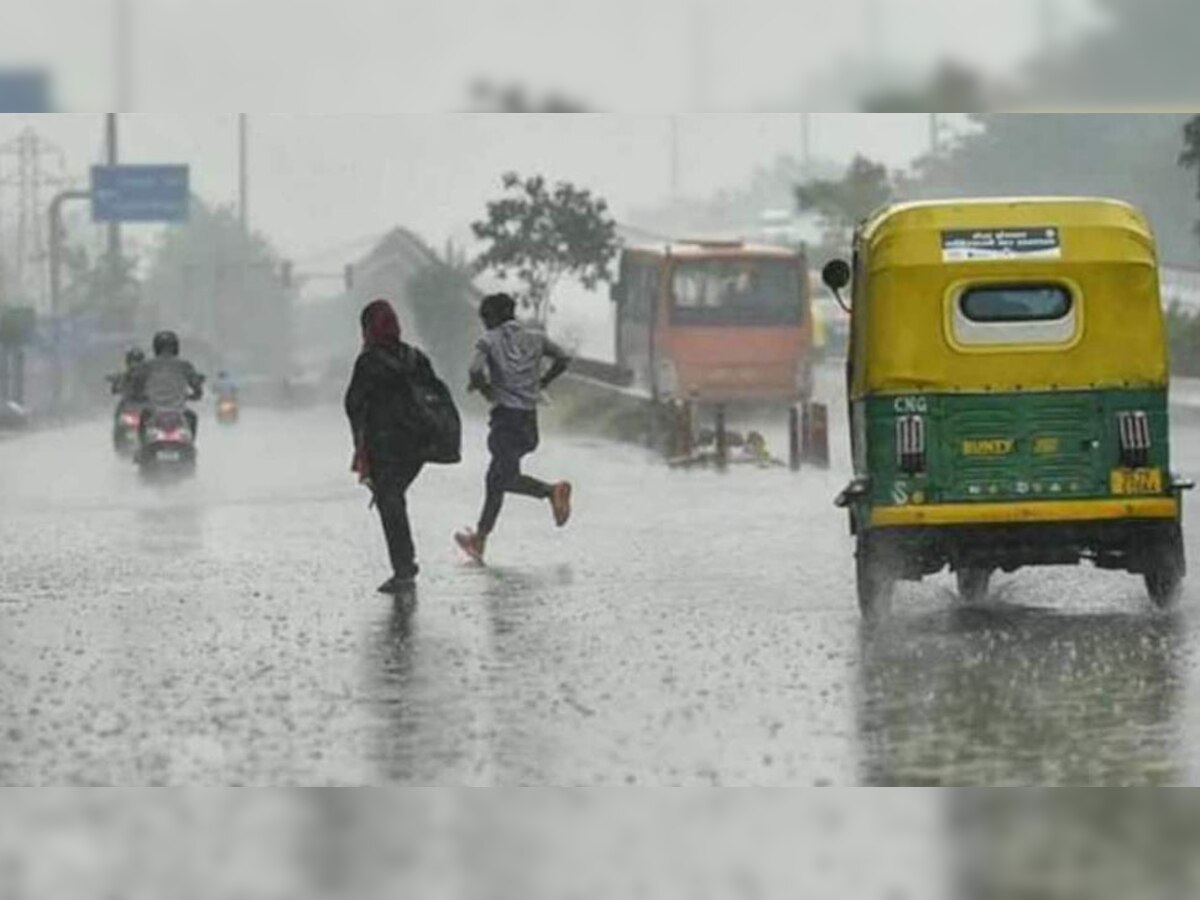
column 1114, row 217
column 902, row 341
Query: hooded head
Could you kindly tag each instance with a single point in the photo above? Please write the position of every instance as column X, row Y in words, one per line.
column 496, row 309
column 380, row 327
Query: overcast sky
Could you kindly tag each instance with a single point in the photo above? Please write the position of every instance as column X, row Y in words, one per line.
column 420, row 55
column 322, row 180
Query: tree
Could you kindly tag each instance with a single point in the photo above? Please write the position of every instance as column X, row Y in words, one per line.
column 92, row 284
column 864, row 188
column 1190, row 157
column 541, row 234
column 952, row 88
column 443, row 301
column 1127, row 156
column 212, row 281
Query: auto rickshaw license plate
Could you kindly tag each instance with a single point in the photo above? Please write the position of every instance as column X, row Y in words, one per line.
column 1129, row 482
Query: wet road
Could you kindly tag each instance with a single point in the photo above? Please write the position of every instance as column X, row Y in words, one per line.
column 688, row 628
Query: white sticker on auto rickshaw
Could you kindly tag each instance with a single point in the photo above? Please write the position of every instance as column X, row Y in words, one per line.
column 983, row 244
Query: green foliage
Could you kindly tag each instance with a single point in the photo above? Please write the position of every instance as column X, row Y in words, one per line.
column 442, row 301
column 91, row 282
column 1190, row 157
column 217, row 284
column 842, row 203
column 1183, row 335
column 953, row 88
column 1116, row 155
column 539, row 234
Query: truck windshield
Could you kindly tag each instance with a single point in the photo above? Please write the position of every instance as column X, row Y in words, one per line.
column 736, row 292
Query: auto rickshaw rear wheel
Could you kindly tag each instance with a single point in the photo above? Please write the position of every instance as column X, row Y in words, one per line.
column 875, row 568
column 973, row 584
column 1165, row 570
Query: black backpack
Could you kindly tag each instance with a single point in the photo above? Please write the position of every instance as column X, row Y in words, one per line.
column 435, row 418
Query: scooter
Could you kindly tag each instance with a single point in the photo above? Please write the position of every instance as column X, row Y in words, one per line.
column 167, row 444
column 126, row 420
column 227, row 410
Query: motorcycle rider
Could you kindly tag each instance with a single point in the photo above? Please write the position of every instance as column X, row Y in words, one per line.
column 225, row 388
column 122, row 385
column 122, row 381
column 168, row 382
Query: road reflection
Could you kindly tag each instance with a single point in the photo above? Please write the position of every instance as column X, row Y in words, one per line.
column 1007, row 694
column 449, row 685
column 171, row 532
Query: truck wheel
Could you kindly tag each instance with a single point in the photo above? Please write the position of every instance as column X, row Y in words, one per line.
column 1167, row 566
column 875, row 574
column 973, row 584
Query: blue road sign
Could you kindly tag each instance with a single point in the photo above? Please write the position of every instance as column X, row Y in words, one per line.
column 139, row 193
column 24, row 91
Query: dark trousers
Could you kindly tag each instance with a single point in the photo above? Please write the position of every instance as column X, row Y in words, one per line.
column 513, row 434
column 392, row 480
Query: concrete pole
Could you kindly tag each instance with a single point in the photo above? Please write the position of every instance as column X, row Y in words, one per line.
column 674, row 153
column 56, row 238
column 806, row 143
column 112, row 155
column 123, row 54
column 243, row 173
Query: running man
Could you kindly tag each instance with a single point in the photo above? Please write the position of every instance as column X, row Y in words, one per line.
column 507, row 371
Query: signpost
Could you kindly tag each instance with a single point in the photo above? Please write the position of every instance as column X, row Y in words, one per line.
column 24, row 91
column 140, row 193
column 119, row 193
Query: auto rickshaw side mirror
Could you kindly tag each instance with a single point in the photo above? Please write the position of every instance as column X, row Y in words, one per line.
column 836, row 274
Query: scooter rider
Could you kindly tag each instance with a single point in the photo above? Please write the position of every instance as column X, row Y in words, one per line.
column 122, row 382
column 168, row 382
column 225, row 388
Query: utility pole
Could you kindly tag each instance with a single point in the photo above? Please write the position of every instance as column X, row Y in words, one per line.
column 243, row 175
column 674, row 152
column 123, row 54
column 56, row 252
column 934, row 134
column 806, row 143
column 1048, row 24
column 112, row 156
column 30, row 176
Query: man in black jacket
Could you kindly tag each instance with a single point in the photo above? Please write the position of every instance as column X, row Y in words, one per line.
column 387, row 435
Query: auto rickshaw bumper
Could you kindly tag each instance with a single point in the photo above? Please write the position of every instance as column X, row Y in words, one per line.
column 1118, row 533
column 1034, row 511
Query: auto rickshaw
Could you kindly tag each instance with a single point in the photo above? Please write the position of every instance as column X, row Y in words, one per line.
column 1007, row 384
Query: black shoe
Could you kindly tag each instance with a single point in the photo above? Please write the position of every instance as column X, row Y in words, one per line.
column 398, row 584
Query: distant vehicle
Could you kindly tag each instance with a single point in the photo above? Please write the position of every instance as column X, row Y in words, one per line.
column 126, row 419
column 13, row 415
column 715, row 322
column 227, row 410
column 1007, row 383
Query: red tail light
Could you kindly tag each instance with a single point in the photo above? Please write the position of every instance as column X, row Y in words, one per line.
column 131, row 419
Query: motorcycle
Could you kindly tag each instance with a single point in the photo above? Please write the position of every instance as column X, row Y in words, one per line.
column 167, row 444
column 227, row 410
column 126, row 421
